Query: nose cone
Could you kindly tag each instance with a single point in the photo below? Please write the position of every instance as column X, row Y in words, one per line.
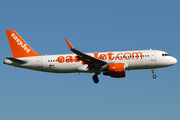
column 173, row 60
column 170, row 61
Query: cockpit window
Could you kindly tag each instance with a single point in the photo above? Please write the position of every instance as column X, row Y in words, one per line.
column 165, row 54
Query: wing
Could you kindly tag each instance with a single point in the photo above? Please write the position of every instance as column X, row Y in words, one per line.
column 91, row 61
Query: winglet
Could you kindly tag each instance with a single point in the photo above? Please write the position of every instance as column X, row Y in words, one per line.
column 69, row 44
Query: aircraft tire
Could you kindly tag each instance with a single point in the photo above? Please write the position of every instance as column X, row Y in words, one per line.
column 96, row 79
column 154, row 76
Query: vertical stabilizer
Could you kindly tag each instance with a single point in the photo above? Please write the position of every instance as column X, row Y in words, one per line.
column 18, row 46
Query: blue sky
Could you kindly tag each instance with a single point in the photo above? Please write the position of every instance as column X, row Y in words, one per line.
column 91, row 26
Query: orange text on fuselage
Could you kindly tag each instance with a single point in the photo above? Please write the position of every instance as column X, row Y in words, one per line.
column 109, row 56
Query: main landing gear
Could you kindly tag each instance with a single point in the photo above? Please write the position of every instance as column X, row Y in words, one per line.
column 153, row 72
column 95, row 78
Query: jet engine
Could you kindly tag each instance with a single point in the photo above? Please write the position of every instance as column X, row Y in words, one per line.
column 116, row 70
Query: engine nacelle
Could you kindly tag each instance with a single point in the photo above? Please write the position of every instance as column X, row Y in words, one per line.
column 116, row 70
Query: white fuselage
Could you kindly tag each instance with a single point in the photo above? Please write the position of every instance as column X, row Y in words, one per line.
column 68, row 63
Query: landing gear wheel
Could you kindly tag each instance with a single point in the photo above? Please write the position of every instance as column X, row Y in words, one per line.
column 153, row 72
column 95, row 78
column 154, row 76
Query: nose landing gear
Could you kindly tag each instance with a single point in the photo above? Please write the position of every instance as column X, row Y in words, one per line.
column 154, row 76
column 153, row 72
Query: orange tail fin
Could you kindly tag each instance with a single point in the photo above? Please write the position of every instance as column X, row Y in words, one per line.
column 18, row 46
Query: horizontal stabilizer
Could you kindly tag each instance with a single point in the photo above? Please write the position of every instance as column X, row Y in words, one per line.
column 16, row 60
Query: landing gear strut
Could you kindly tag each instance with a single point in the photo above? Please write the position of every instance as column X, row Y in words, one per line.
column 153, row 72
column 95, row 78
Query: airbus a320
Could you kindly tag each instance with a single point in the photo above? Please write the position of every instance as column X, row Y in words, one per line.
column 113, row 64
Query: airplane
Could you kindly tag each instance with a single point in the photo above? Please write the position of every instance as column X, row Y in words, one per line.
column 113, row 64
